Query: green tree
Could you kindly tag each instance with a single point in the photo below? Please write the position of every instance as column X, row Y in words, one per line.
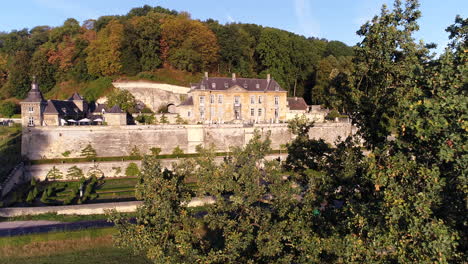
column 385, row 69
column 88, row 152
column 123, row 98
column 8, row 109
column 163, row 119
column 19, row 80
column 54, row 174
column 132, row 170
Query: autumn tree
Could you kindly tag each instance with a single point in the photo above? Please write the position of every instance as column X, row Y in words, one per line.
column 104, row 54
column 188, row 44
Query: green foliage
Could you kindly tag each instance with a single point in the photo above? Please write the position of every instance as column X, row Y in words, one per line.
column 88, row 152
column 95, row 172
column 132, row 170
column 135, row 152
column 66, row 153
column 75, row 173
column 146, row 119
column 30, row 197
column 44, row 197
column 163, row 119
column 8, row 109
column 54, row 174
column 180, row 120
column 155, row 151
column 177, row 151
column 123, row 98
column 97, row 88
column 10, row 149
column 117, row 170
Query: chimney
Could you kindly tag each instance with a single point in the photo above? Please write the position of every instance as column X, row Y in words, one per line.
column 268, row 78
column 233, row 76
column 206, row 75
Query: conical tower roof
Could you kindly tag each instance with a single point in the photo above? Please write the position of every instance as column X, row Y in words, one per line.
column 34, row 95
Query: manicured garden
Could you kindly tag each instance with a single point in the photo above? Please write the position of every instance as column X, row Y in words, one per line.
column 90, row 190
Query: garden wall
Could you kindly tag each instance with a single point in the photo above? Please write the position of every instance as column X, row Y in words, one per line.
column 52, row 142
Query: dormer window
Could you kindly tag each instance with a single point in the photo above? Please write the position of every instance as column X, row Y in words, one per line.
column 257, row 86
column 64, row 109
column 103, row 111
column 213, row 85
column 202, row 87
column 245, row 85
column 276, row 88
column 226, row 85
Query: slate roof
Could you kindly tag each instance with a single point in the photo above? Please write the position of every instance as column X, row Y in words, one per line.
column 97, row 108
column 76, row 97
column 34, row 95
column 224, row 83
column 297, row 103
column 115, row 110
column 189, row 101
column 63, row 108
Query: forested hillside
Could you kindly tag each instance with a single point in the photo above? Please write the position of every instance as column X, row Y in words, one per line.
column 162, row 45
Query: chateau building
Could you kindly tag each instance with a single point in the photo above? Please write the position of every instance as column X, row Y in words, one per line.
column 35, row 111
column 236, row 100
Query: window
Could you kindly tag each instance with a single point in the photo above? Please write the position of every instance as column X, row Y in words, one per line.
column 213, row 85
column 236, row 100
column 226, row 85
column 276, row 100
column 212, row 112
column 212, row 99
column 245, row 85
column 202, row 100
column 31, row 109
column 202, row 87
column 220, row 99
column 259, row 112
column 31, row 121
column 202, row 112
column 252, row 112
column 252, row 99
column 260, row 99
column 276, row 88
column 257, row 86
column 189, row 113
column 276, row 113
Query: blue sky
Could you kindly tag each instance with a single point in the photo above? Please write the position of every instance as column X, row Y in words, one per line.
column 331, row 19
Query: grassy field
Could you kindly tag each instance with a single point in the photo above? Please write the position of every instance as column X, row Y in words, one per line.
column 10, row 149
column 82, row 246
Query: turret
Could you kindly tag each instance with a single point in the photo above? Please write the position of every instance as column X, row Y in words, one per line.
column 32, row 107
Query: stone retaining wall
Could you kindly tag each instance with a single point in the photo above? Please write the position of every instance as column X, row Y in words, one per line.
column 51, row 142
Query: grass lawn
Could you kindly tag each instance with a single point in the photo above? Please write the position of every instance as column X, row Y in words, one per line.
column 61, row 218
column 81, row 246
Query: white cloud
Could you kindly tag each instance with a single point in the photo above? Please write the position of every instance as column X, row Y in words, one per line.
column 308, row 25
column 230, row 19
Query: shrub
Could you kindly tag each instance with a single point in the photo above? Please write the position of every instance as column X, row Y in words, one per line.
column 30, row 197
column 45, row 197
column 117, row 170
column 54, row 174
column 135, row 152
column 332, row 115
column 88, row 152
column 66, row 153
column 132, row 170
column 75, row 173
column 163, row 119
column 155, row 151
column 97, row 88
column 177, row 151
column 180, row 120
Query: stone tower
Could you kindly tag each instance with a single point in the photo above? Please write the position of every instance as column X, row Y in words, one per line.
column 33, row 106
